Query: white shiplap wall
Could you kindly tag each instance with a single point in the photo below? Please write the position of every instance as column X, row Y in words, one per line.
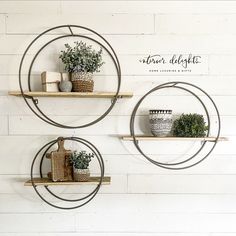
column 142, row 199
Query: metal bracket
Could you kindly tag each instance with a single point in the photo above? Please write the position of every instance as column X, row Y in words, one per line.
column 117, row 100
column 35, row 101
column 212, row 141
column 27, row 96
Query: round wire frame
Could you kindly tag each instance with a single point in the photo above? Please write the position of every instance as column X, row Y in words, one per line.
column 88, row 197
column 175, row 166
column 107, row 48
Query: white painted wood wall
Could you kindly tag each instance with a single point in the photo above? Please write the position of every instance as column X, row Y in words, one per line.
column 142, row 199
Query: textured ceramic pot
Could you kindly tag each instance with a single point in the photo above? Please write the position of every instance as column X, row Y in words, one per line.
column 160, row 122
column 65, row 86
column 81, row 175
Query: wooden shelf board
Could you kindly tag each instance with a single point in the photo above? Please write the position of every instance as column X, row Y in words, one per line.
column 146, row 138
column 73, row 94
column 46, row 182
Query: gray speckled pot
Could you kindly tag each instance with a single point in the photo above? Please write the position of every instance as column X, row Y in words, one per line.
column 65, row 86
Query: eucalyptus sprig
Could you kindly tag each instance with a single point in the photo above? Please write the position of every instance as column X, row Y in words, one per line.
column 81, row 160
column 81, row 58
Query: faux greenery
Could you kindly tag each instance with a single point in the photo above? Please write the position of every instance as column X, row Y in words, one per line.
column 189, row 125
column 81, row 58
column 81, row 160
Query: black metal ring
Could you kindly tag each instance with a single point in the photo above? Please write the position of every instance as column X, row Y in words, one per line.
column 98, row 156
column 203, row 143
column 90, row 196
column 52, row 122
column 102, row 173
column 44, row 117
column 173, row 85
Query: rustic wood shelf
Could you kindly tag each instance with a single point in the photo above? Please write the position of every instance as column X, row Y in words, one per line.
column 73, row 94
column 147, row 138
column 47, row 182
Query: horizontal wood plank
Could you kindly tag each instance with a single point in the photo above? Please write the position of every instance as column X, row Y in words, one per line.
column 73, row 94
column 156, row 222
column 182, row 184
column 15, row 183
column 153, row 138
column 16, row 44
column 112, row 125
column 200, row 24
column 9, row 105
column 158, row 7
column 33, row 223
column 104, row 23
column 47, row 182
column 2, row 24
column 49, row 7
column 132, row 203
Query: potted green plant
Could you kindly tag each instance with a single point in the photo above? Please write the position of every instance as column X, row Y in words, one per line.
column 80, row 161
column 81, row 61
column 189, row 125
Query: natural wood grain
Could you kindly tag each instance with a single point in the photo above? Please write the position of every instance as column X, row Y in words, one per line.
column 73, row 94
column 146, row 138
column 46, row 182
column 60, row 164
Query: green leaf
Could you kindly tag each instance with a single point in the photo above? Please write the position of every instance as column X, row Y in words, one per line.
column 189, row 125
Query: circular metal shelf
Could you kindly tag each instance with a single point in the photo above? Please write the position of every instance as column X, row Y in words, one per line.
column 177, row 165
column 83, row 200
column 34, row 106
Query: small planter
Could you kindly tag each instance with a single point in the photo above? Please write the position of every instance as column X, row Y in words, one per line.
column 82, row 82
column 160, row 122
column 81, row 175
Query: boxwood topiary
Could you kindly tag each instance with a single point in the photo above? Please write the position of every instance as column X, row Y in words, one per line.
column 189, row 125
